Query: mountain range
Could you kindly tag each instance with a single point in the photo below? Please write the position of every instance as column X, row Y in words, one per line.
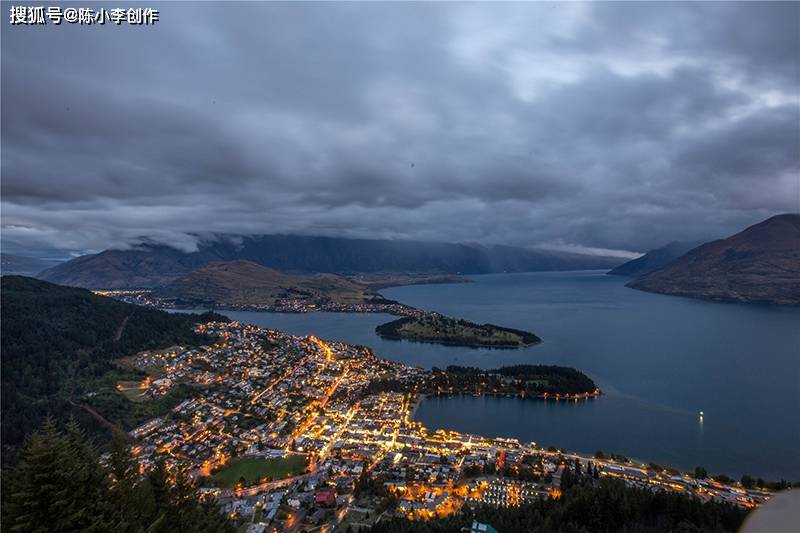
column 153, row 265
column 759, row 264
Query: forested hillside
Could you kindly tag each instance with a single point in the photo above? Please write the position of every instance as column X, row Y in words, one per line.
column 58, row 342
column 59, row 484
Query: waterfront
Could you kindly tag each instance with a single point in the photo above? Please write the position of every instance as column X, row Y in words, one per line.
column 659, row 360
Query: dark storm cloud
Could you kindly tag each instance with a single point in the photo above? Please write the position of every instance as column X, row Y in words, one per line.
column 618, row 126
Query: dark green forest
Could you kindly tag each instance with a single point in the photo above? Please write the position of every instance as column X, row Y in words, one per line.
column 59, row 484
column 58, row 344
column 532, row 379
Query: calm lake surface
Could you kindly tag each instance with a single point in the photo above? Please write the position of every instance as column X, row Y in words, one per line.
column 659, row 360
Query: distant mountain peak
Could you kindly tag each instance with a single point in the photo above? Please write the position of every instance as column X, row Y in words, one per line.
column 758, row 264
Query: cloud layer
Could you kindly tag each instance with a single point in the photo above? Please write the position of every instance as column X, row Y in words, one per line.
column 596, row 126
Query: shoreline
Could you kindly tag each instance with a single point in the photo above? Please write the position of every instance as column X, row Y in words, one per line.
column 413, row 411
column 576, row 397
column 460, row 345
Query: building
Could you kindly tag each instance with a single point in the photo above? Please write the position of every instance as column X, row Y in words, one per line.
column 478, row 527
column 325, row 497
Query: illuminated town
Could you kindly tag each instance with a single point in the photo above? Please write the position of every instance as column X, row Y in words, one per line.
column 145, row 297
column 352, row 454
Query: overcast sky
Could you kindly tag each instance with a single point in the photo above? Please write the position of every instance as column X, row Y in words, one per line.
column 612, row 126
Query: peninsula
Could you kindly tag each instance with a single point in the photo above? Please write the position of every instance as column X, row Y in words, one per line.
column 434, row 327
column 547, row 382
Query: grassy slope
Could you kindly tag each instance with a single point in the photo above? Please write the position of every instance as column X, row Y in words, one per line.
column 242, row 283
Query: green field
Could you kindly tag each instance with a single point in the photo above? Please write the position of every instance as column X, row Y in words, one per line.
column 253, row 469
column 131, row 390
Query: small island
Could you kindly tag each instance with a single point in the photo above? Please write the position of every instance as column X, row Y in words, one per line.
column 532, row 381
column 434, row 327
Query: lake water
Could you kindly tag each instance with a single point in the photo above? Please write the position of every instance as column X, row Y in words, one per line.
column 659, row 360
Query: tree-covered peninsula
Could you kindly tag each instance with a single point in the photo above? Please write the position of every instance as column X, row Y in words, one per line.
column 545, row 381
column 434, row 327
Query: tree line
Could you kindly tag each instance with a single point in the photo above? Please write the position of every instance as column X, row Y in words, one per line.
column 59, row 484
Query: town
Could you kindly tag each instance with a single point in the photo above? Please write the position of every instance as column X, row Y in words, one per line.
column 145, row 297
column 289, row 433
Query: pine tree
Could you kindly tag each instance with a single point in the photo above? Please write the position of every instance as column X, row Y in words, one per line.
column 88, row 482
column 121, row 464
column 130, row 500
column 34, row 484
column 57, row 485
column 158, row 480
column 566, row 479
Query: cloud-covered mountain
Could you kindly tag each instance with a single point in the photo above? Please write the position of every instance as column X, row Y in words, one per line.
column 25, row 266
column 155, row 265
column 759, row 264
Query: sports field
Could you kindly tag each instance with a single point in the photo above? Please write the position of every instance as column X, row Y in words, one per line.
column 252, row 469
